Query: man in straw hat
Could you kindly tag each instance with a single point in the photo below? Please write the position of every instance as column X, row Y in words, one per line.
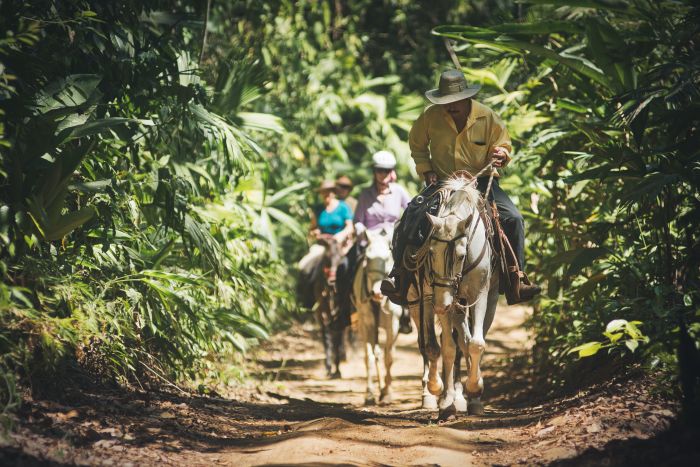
column 459, row 133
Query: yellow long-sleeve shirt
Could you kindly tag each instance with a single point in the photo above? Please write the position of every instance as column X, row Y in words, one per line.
column 437, row 146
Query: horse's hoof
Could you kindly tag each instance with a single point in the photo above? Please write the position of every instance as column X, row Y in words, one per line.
column 429, row 402
column 435, row 388
column 460, row 403
column 476, row 407
column 447, row 414
column 335, row 375
column 370, row 400
column 386, row 397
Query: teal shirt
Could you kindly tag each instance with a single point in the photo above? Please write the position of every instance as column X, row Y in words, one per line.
column 334, row 221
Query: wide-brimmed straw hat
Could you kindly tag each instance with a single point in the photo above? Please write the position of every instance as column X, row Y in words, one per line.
column 326, row 185
column 451, row 88
column 343, row 181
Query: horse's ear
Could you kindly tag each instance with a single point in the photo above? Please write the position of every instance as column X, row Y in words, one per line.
column 463, row 225
column 437, row 222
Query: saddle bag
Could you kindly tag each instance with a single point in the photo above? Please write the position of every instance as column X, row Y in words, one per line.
column 414, row 228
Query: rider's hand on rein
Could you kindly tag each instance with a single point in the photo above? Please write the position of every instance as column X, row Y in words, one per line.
column 498, row 156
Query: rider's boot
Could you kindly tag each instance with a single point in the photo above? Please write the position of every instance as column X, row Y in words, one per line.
column 528, row 290
column 519, row 288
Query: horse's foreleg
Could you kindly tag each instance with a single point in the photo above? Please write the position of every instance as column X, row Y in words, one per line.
column 428, row 401
column 483, row 317
column 377, row 351
column 367, row 335
column 475, row 351
column 432, row 349
column 325, row 338
column 390, row 323
column 447, row 406
column 460, row 401
column 337, row 337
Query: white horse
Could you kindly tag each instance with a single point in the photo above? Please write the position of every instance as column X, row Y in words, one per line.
column 376, row 311
column 420, row 298
column 465, row 291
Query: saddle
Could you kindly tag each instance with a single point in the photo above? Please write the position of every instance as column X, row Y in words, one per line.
column 414, row 230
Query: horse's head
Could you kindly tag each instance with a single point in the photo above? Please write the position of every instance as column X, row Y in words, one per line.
column 449, row 241
column 379, row 260
column 332, row 257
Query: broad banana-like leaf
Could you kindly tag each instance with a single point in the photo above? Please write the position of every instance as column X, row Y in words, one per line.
column 507, row 44
column 607, row 46
column 650, row 186
column 613, row 5
column 97, row 126
column 261, row 121
column 380, row 81
column 273, row 199
column 67, row 223
column 286, row 220
column 64, row 95
column 541, row 27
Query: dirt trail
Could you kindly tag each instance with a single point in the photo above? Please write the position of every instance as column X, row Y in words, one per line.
column 397, row 434
column 294, row 415
column 512, row 430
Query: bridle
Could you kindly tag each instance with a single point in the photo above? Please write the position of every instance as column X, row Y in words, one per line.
column 449, row 282
column 453, row 283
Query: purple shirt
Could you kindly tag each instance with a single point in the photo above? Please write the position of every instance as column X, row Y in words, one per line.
column 375, row 214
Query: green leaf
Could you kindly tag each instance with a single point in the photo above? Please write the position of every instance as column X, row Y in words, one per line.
column 632, row 344
column 273, row 199
column 97, row 126
column 613, row 5
column 66, row 94
column 261, row 121
column 616, row 325
column 588, row 349
column 687, row 300
column 494, row 38
column 614, row 336
column 288, row 221
column 67, row 223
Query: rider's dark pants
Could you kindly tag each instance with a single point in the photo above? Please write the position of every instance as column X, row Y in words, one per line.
column 344, row 278
column 511, row 220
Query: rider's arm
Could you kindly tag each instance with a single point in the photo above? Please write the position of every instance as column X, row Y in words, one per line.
column 419, row 142
column 346, row 214
column 361, row 211
column 313, row 227
column 499, row 138
column 345, row 233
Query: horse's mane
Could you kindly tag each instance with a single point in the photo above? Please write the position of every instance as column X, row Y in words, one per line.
column 463, row 194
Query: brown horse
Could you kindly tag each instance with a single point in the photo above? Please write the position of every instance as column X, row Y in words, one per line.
column 326, row 303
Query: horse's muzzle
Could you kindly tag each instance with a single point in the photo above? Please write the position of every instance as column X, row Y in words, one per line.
column 330, row 275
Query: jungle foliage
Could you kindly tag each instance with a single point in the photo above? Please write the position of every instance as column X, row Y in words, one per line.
column 603, row 99
column 155, row 177
column 130, row 235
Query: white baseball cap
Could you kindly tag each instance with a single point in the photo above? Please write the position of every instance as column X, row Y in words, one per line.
column 383, row 160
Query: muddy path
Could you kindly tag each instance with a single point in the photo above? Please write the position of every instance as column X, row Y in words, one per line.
column 291, row 414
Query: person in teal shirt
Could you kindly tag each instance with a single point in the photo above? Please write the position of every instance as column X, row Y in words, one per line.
column 333, row 217
column 332, row 222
